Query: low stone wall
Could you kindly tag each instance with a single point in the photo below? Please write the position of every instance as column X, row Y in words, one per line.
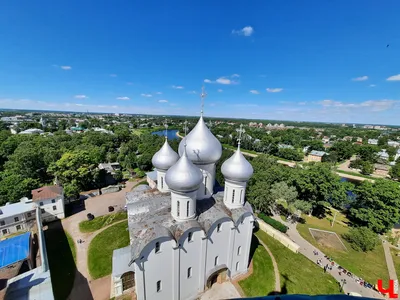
column 110, row 189
column 279, row 236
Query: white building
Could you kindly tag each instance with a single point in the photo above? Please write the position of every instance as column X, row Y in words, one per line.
column 372, row 141
column 50, row 199
column 16, row 217
column 184, row 236
column 32, row 131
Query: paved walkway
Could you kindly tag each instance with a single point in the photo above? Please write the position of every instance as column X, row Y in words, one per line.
column 389, row 261
column 225, row 290
column 84, row 288
column 308, row 249
column 276, row 270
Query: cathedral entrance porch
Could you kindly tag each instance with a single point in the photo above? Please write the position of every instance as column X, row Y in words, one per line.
column 218, row 276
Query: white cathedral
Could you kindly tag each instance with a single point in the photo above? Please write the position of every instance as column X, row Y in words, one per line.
column 184, row 236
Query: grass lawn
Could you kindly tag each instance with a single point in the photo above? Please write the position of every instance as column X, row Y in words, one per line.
column 262, row 281
column 299, row 275
column 355, row 174
column 102, row 246
column 102, row 221
column 370, row 266
column 396, row 260
column 61, row 254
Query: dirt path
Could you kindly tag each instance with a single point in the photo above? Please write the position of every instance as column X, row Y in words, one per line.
column 98, row 206
column 276, row 270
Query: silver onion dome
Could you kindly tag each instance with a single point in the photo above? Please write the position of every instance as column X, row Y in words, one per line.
column 202, row 146
column 237, row 168
column 165, row 158
column 184, row 176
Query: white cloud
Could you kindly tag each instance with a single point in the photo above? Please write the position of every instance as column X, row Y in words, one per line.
column 362, row 78
column 372, row 85
column 113, row 75
column 178, row 87
column 123, row 98
column 302, row 103
column 394, row 78
column 246, row 31
column 78, row 104
column 235, row 75
column 274, row 90
column 220, row 90
column 146, row 95
column 66, row 67
column 371, row 105
column 223, row 80
column 158, row 93
column 207, row 81
column 192, row 92
column 163, row 101
column 81, row 97
column 254, row 92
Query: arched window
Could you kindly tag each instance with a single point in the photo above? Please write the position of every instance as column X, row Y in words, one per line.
column 189, row 272
column 216, row 261
column 187, row 209
column 237, row 266
column 162, row 182
column 241, row 193
column 190, row 236
column 239, row 250
column 157, row 247
column 233, row 196
column 178, row 206
column 219, row 227
column 159, row 286
column 128, row 280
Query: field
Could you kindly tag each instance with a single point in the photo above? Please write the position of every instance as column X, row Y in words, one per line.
column 102, row 246
column 102, row 221
column 370, row 266
column 327, row 239
column 299, row 275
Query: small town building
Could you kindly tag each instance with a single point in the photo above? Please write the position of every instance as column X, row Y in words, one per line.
column 110, row 168
column 381, row 169
column 15, row 217
column 383, row 155
column 32, row 131
column 315, row 155
column 50, row 200
column 372, row 141
column 394, row 144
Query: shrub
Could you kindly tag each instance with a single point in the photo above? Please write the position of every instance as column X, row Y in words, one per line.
column 362, row 238
column 274, row 223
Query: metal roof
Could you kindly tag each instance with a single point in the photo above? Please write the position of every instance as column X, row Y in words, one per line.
column 152, row 175
column 120, row 261
column 16, row 209
column 47, row 192
column 14, row 249
column 317, row 153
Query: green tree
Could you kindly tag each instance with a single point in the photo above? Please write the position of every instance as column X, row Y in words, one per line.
column 280, row 191
column 395, row 171
column 303, row 206
column 260, row 197
column 118, row 176
column 343, row 149
column 368, row 153
column 71, row 190
column 367, row 168
column 377, row 205
column 362, row 239
column 13, row 187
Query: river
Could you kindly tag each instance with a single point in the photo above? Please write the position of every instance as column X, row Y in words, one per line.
column 171, row 133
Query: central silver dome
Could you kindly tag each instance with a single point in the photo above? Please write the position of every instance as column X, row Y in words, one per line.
column 165, row 157
column 202, row 146
column 184, row 176
column 237, row 168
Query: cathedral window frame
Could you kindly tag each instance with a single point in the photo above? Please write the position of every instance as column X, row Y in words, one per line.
column 219, row 227
column 239, row 250
column 157, row 248
column 237, row 266
column 216, row 261
column 189, row 272
column 205, row 185
column 190, row 237
column 162, row 182
column 159, row 286
column 187, row 208
column 233, row 196
column 178, row 206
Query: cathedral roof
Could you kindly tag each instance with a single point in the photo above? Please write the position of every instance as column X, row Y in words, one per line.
column 202, row 146
column 149, row 217
column 184, row 176
column 237, row 168
column 165, row 158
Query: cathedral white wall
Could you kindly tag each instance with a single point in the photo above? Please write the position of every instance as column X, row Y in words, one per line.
column 156, row 267
column 190, row 257
column 234, row 194
column 161, row 184
column 206, row 188
column 179, row 205
column 243, row 234
column 218, row 245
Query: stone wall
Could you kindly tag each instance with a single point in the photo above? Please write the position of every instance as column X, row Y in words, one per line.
column 279, row 236
column 110, row 189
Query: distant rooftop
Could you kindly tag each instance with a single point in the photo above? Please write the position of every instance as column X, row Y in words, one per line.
column 47, row 192
column 318, row 153
column 13, row 209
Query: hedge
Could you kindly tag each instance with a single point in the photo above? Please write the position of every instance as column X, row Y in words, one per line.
column 274, row 223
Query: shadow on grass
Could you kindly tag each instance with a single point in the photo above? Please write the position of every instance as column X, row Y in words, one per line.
column 62, row 264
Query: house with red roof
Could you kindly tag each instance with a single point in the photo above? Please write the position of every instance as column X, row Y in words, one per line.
column 50, row 199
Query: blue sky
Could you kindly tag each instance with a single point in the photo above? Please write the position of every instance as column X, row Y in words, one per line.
column 288, row 60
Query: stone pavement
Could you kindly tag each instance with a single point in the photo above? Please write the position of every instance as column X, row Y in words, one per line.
column 389, row 260
column 84, row 288
column 225, row 290
column 307, row 250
